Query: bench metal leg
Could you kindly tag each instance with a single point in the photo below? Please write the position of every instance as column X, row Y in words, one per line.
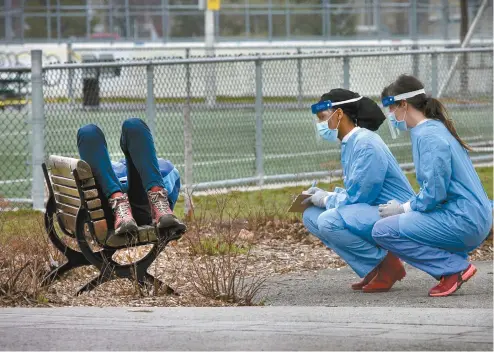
column 75, row 259
column 151, row 280
column 104, row 276
column 112, row 270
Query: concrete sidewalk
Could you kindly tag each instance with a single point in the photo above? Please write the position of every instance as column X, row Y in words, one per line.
column 331, row 287
column 246, row 328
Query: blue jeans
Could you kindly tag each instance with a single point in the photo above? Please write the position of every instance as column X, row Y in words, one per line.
column 143, row 171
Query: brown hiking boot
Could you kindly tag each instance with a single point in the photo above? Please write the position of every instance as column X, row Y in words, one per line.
column 161, row 212
column 124, row 221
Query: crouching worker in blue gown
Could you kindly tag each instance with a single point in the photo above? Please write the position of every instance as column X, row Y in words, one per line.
column 343, row 219
column 141, row 189
column 451, row 215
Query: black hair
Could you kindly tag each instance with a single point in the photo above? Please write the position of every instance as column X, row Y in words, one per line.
column 364, row 112
column 430, row 107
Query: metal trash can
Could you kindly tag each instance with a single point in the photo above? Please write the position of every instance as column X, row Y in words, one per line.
column 90, row 83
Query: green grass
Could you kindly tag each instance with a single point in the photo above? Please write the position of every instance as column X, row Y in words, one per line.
column 217, row 246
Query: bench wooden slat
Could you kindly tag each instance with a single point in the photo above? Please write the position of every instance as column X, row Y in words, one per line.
column 73, row 192
column 68, row 221
column 95, row 214
column 70, row 182
column 100, row 229
column 94, row 203
column 67, row 173
column 62, row 198
column 62, row 166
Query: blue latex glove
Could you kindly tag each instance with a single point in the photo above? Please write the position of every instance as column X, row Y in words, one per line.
column 393, row 207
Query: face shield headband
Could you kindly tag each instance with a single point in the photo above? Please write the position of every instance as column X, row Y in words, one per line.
column 328, row 104
column 387, row 101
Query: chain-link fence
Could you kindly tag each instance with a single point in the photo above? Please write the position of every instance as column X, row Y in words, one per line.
column 226, row 121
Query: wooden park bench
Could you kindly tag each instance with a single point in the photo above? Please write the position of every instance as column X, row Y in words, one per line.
column 76, row 204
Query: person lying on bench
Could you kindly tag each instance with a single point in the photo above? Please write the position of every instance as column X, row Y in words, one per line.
column 149, row 192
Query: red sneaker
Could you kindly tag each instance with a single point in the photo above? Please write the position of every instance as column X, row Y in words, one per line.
column 161, row 212
column 124, row 221
column 451, row 283
column 368, row 278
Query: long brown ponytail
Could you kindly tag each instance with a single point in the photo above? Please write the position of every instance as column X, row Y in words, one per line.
column 434, row 109
column 430, row 107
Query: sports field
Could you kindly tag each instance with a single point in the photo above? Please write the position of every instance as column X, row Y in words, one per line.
column 223, row 139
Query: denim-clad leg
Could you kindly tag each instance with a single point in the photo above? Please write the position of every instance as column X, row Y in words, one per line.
column 143, row 171
column 355, row 250
column 93, row 149
column 137, row 144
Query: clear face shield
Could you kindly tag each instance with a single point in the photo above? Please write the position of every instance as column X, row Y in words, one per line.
column 391, row 100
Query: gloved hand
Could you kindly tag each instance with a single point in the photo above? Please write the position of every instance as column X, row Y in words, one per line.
column 312, row 190
column 393, row 207
column 318, row 199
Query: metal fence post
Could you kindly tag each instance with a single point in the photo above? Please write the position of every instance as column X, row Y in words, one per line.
column 415, row 62
column 445, row 18
column 38, row 130
column 70, row 77
column 188, row 153
column 259, row 111
column 346, row 72
column 299, row 80
column 150, row 102
column 210, row 68
column 328, row 16
column 434, row 74
column 127, row 20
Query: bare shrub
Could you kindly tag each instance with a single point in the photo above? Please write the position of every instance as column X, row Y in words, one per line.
column 220, row 258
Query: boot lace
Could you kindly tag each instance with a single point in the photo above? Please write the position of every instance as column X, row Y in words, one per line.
column 121, row 207
column 159, row 200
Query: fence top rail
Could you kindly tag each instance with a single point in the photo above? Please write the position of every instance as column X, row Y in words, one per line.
column 252, row 58
column 18, row 69
column 323, row 44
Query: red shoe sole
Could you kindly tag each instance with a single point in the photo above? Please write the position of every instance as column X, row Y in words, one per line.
column 469, row 274
column 376, row 290
column 464, row 278
column 400, row 277
column 384, row 289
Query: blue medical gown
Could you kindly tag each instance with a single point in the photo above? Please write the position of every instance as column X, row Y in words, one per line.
column 451, row 210
column 170, row 175
column 371, row 176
